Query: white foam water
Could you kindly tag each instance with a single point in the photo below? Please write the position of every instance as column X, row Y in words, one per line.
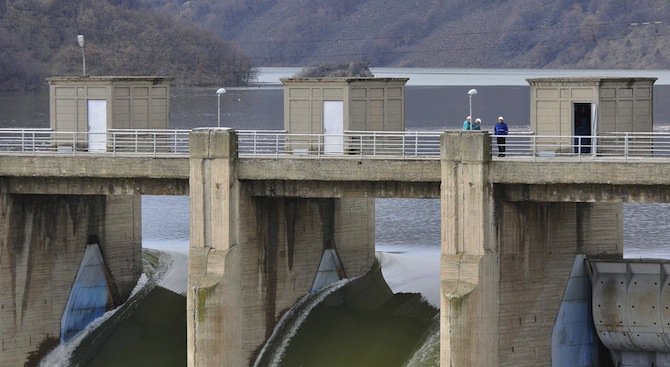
column 60, row 356
column 273, row 351
column 428, row 354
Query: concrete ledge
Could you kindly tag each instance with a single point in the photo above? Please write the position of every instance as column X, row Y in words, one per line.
column 345, row 169
column 94, row 166
column 553, row 172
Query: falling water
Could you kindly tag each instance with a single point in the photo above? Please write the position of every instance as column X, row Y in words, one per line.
column 273, row 351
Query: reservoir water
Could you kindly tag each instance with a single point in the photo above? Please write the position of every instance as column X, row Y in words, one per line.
column 407, row 231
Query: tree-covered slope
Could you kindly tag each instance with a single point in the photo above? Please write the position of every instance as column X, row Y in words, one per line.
column 38, row 39
column 438, row 33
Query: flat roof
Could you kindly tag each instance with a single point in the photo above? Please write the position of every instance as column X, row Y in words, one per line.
column 332, row 79
column 101, row 78
column 593, row 79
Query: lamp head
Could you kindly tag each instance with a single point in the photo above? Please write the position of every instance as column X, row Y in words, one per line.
column 80, row 40
column 220, row 91
column 472, row 92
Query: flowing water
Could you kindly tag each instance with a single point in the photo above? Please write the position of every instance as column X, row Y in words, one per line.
column 407, row 230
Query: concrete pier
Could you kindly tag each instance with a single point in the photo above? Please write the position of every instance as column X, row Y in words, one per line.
column 505, row 263
column 42, row 240
column 252, row 257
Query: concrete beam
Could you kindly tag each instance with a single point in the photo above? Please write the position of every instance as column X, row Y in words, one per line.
column 339, row 169
column 584, row 193
column 95, row 186
column 344, row 189
column 102, row 166
column 558, row 171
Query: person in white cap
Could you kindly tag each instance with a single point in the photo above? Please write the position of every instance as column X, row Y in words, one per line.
column 477, row 125
column 500, row 130
column 466, row 123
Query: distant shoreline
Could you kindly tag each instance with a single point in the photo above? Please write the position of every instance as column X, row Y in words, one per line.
column 269, row 76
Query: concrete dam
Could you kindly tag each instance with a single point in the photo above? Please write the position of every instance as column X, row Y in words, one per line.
column 522, row 237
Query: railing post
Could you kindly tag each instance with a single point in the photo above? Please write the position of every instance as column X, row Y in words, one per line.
column 114, row 144
column 579, row 148
column 276, row 145
column 74, row 143
column 625, row 147
column 416, row 144
column 374, row 143
column 533, row 140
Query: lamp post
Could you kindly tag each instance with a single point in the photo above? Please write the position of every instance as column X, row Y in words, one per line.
column 471, row 93
column 219, row 92
column 80, row 40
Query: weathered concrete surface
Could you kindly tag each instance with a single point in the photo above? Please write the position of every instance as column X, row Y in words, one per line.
column 537, row 244
column 91, row 165
column 340, row 169
column 507, row 250
column 94, row 175
column 42, row 240
column 469, row 269
column 251, row 257
column 556, row 171
column 585, row 193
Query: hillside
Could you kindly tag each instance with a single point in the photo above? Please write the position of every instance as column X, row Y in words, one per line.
column 436, row 33
column 38, row 39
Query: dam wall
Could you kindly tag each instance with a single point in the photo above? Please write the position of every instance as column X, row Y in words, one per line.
column 507, row 257
column 42, row 241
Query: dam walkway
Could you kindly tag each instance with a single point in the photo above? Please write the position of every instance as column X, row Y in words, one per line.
column 362, row 144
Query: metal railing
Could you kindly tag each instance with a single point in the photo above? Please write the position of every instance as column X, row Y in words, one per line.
column 144, row 142
column 368, row 144
column 607, row 146
column 365, row 144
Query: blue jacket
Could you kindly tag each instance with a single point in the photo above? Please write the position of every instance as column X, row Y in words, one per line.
column 500, row 128
column 466, row 125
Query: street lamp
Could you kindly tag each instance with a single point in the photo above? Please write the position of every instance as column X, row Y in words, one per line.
column 471, row 93
column 80, row 40
column 219, row 92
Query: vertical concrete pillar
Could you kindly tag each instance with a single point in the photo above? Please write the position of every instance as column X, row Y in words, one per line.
column 469, row 266
column 213, row 305
column 121, row 241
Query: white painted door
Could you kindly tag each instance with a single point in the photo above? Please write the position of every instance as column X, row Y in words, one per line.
column 97, row 125
column 333, row 126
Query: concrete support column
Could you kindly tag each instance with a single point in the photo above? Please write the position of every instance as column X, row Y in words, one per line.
column 469, row 266
column 213, row 305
